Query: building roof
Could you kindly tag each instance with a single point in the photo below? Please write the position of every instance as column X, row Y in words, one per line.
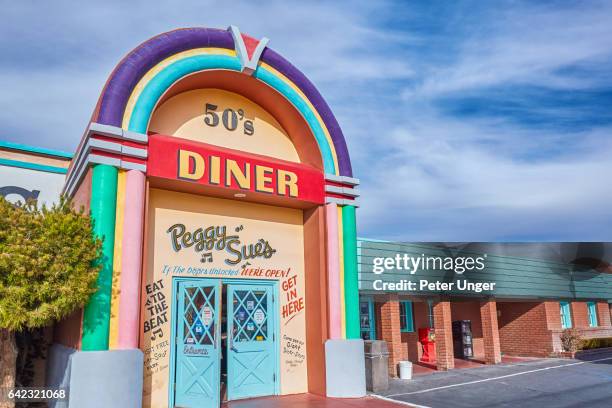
column 520, row 270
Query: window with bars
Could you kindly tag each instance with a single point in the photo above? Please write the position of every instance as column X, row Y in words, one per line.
column 566, row 315
column 406, row 317
column 592, row 310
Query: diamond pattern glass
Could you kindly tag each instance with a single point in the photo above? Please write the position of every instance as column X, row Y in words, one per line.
column 250, row 315
column 199, row 317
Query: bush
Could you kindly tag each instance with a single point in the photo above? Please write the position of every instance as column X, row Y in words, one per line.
column 49, row 263
column 571, row 340
column 596, row 343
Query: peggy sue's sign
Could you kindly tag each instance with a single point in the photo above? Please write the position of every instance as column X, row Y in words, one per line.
column 213, row 166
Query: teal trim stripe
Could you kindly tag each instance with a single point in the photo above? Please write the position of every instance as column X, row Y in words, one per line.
column 33, row 149
column 156, row 87
column 33, row 166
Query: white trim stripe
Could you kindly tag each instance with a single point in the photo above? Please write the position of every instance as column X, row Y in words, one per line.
column 84, row 157
column 341, row 201
column 118, row 148
column 134, row 152
column 127, row 165
column 407, row 404
column 116, row 132
column 77, row 170
column 352, row 192
column 70, row 188
column 342, row 179
column 98, row 159
column 105, row 146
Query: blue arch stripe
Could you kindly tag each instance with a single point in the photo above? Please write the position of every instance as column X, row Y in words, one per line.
column 154, row 90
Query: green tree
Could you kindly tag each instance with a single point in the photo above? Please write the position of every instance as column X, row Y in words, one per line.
column 48, row 268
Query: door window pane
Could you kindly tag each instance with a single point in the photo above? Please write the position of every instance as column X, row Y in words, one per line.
column 250, row 315
column 199, row 315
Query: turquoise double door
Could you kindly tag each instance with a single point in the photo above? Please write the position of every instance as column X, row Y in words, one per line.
column 237, row 336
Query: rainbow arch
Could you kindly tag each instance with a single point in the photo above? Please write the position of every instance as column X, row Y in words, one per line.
column 133, row 91
column 141, row 78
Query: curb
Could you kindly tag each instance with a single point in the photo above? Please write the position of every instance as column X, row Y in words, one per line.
column 581, row 353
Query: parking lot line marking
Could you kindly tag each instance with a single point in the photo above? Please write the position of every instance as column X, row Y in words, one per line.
column 408, row 404
column 497, row 378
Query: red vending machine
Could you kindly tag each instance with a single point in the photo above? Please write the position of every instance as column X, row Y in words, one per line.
column 428, row 342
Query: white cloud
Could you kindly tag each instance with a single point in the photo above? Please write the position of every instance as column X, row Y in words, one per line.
column 436, row 185
column 60, row 54
column 440, row 175
column 426, row 175
column 526, row 45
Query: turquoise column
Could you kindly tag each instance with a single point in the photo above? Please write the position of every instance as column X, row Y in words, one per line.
column 96, row 317
column 351, row 283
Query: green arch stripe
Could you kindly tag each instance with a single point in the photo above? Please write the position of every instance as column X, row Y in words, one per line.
column 351, row 278
column 156, row 87
column 96, row 316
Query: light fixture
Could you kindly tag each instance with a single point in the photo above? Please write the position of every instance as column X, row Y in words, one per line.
column 239, row 195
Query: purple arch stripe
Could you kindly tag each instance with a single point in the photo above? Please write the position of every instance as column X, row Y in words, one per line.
column 144, row 57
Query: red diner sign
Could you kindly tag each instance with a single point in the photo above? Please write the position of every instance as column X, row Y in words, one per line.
column 213, row 166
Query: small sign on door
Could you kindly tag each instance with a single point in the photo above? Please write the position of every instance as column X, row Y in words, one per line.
column 259, row 316
column 207, row 315
column 198, row 328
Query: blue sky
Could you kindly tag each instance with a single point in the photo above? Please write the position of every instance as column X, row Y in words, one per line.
column 487, row 121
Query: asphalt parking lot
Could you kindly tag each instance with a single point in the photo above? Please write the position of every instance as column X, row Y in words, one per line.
column 584, row 382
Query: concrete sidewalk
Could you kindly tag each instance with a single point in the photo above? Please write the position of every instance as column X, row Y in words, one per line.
column 535, row 383
column 311, row 401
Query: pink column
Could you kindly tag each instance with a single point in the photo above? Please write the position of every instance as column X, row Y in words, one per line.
column 333, row 272
column 131, row 260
